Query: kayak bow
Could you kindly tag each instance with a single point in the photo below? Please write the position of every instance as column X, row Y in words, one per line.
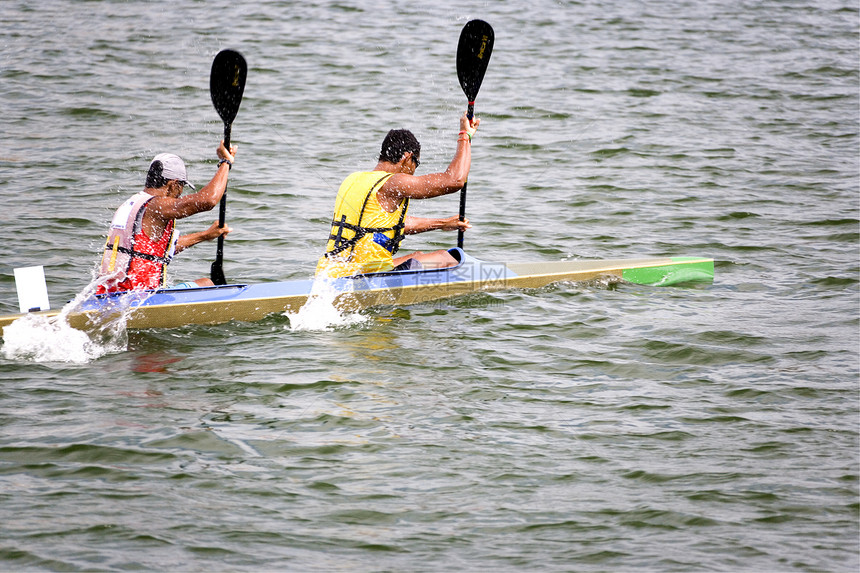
column 168, row 308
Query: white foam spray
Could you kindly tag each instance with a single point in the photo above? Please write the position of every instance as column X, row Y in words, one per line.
column 320, row 312
column 38, row 338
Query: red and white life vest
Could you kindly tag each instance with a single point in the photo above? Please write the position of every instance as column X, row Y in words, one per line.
column 131, row 259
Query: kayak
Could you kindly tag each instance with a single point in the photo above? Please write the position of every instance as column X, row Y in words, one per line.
column 170, row 308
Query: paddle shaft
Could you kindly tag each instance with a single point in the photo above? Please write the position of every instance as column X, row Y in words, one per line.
column 222, row 213
column 470, row 113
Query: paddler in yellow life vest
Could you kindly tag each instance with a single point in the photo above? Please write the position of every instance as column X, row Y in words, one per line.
column 370, row 213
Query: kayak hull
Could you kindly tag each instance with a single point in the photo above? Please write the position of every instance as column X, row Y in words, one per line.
column 169, row 308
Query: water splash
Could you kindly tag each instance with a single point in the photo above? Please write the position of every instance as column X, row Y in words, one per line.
column 320, row 312
column 39, row 338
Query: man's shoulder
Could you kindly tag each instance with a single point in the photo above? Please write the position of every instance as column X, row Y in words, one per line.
column 356, row 174
column 153, row 206
column 366, row 179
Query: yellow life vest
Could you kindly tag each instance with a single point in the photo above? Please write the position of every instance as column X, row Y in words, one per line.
column 364, row 236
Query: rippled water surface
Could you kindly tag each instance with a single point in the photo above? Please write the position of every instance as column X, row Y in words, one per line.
column 582, row 427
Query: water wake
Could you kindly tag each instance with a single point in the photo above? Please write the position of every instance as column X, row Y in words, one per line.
column 320, row 312
column 39, row 338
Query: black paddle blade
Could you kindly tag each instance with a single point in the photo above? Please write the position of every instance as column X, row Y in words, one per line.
column 216, row 273
column 227, row 83
column 473, row 55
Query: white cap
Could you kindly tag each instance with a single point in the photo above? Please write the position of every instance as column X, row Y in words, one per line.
column 172, row 167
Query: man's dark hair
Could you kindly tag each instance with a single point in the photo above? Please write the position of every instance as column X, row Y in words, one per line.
column 398, row 142
column 154, row 178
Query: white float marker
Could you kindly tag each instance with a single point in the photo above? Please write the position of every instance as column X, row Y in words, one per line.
column 32, row 290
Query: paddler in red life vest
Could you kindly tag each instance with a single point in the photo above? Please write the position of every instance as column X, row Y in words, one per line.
column 143, row 238
column 370, row 213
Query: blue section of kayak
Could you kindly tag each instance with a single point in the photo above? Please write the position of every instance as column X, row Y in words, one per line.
column 468, row 269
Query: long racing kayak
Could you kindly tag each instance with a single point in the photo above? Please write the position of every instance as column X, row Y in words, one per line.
column 170, row 308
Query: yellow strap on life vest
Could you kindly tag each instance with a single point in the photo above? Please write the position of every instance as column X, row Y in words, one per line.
column 112, row 265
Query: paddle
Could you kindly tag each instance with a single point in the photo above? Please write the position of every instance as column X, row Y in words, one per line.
column 473, row 55
column 226, row 85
